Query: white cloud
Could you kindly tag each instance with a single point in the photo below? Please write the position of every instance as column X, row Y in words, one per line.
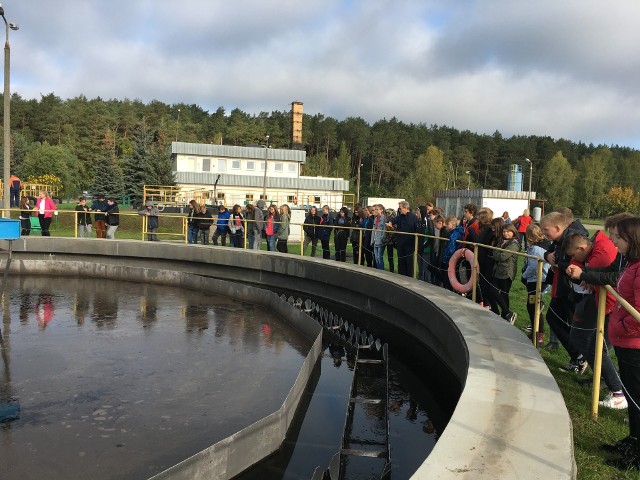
column 565, row 69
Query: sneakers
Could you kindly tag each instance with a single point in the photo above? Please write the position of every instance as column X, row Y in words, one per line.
column 614, row 401
column 528, row 329
column 621, row 447
column 575, row 366
column 511, row 317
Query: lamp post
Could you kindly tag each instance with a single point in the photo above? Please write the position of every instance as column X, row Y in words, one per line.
column 469, row 182
column 7, row 123
column 530, row 177
column 266, row 159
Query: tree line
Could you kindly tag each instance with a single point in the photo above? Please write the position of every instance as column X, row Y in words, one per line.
column 117, row 146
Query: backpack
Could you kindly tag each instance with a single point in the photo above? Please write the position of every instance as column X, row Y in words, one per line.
column 456, row 234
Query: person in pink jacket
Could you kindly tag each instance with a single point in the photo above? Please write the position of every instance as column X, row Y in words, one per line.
column 624, row 334
column 45, row 207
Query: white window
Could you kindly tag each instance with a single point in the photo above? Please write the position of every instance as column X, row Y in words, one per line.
column 251, row 165
column 248, row 198
column 278, row 167
column 262, row 166
column 222, row 165
column 291, row 167
column 187, row 164
column 235, row 164
column 206, row 164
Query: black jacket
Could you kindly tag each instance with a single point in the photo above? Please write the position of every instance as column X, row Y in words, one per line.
column 311, row 225
column 113, row 215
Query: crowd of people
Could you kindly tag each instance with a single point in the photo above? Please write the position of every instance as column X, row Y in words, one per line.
column 575, row 267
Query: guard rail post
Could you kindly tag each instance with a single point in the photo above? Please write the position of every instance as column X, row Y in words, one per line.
column 538, row 300
column 597, row 364
column 474, row 274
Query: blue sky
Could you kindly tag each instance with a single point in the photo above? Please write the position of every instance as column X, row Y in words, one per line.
column 565, row 69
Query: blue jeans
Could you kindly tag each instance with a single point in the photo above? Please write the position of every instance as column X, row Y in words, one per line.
column 271, row 242
column 192, row 234
column 378, row 253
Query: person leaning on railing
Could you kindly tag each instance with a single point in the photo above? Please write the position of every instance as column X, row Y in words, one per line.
column 624, row 333
column 45, row 207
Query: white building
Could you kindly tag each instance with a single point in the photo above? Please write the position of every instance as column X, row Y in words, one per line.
column 452, row 202
column 225, row 174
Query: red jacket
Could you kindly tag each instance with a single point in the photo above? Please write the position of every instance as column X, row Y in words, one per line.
column 603, row 253
column 524, row 222
column 624, row 330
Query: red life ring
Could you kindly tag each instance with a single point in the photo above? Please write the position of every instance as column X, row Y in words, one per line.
column 453, row 262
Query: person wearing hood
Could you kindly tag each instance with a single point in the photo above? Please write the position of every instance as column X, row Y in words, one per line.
column 258, row 222
column 151, row 213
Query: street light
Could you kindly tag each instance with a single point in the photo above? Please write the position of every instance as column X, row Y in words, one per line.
column 7, row 124
column 530, row 176
column 469, row 183
column 266, row 159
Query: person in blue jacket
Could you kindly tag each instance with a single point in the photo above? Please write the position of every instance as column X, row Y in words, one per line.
column 222, row 225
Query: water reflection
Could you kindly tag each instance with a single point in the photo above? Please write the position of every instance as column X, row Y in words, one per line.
column 109, row 369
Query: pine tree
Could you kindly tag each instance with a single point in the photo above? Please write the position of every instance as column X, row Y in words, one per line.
column 138, row 167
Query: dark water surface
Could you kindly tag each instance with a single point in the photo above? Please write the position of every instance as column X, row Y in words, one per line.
column 122, row 380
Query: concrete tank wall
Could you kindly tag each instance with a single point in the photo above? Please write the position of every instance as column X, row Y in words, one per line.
column 510, row 420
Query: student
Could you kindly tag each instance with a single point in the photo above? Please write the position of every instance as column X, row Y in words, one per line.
column 192, row 222
column 310, row 228
column 470, row 223
column 377, row 236
column 236, row 227
column 599, row 252
column 521, row 223
column 83, row 218
column 258, row 224
column 405, row 222
column 284, row 229
column 624, row 333
column 113, row 217
column 505, row 271
column 271, row 227
column 556, row 226
column 367, row 231
column 205, row 221
column 25, row 216
column 341, row 235
column 45, row 207
column 537, row 246
column 425, row 244
column 488, row 233
column 438, row 248
column 151, row 213
column 99, row 206
column 389, row 239
column 454, row 231
column 324, row 232
column 222, row 225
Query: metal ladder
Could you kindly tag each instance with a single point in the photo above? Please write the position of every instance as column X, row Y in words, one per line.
column 365, row 438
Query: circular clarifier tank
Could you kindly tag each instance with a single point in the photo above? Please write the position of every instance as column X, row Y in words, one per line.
column 123, row 380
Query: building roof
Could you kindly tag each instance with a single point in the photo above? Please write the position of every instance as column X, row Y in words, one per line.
column 231, row 151
column 255, row 181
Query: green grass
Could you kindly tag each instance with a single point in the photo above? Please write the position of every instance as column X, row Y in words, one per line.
column 588, row 434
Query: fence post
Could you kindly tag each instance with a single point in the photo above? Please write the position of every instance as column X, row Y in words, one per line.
column 597, row 366
column 75, row 228
column 302, row 240
column 474, row 274
column 415, row 255
column 538, row 300
column 360, row 247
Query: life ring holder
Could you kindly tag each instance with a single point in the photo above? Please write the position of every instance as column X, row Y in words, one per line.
column 453, row 262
